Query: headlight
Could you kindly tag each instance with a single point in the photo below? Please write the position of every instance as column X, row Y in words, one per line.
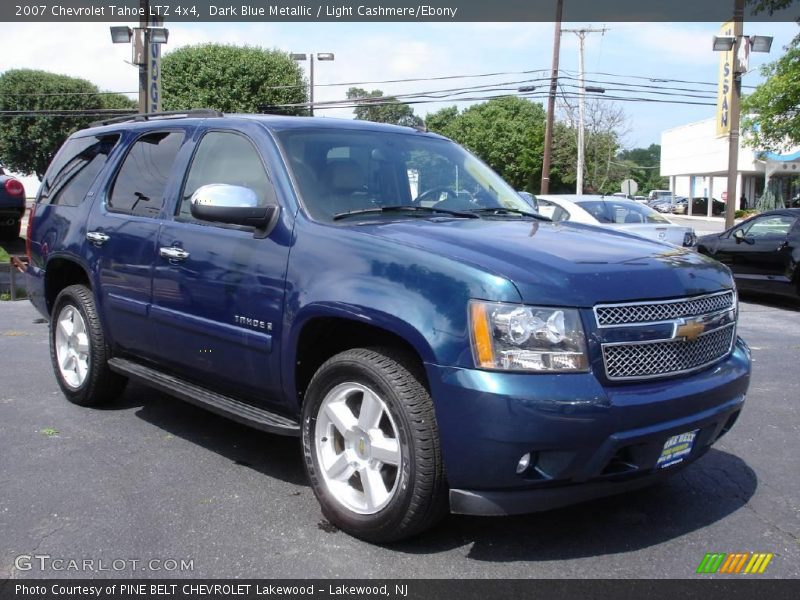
column 513, row 337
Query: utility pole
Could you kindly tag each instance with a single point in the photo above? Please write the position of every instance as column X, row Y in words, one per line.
column 581, row 33
column 551, row 102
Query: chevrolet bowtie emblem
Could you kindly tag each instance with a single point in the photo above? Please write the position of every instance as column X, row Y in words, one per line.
column 690, row 330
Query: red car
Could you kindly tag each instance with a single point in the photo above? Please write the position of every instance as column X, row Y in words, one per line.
column 12, row 206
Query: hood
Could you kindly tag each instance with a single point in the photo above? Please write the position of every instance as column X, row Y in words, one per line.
column 563, row 264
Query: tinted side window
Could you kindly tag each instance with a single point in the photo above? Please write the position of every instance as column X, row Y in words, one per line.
column 770, row 226
column 142, row 179
column 224, row 157
column 75, row 168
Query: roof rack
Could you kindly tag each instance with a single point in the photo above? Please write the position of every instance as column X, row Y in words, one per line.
column 169, row 114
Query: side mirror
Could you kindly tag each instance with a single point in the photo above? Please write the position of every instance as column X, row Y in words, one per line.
column 739, row 236
column 233, row 204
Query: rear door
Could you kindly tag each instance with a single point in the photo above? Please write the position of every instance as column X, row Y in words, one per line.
column 121, row 236
column 218, row 307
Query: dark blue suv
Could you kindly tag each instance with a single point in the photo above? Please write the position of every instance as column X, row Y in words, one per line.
column 381, row 293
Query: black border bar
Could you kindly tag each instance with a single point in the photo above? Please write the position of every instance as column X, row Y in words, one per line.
column 703, row 587
column 591, row 11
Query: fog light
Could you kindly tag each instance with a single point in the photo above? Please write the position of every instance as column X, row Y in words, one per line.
column 524, row 463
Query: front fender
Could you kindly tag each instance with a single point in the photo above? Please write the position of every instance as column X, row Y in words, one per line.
column 414, row 294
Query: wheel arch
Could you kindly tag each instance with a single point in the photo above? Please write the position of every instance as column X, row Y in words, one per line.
column 323, row 331
column 61, row 272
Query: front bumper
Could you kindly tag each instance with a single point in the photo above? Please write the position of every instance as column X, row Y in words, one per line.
column 585, row 440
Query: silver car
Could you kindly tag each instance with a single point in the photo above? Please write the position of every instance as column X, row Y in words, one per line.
column 618, row 213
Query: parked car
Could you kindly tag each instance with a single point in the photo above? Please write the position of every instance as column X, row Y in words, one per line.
column 763, row 252
column 468, row 355
column 12, row 206
column 699, row 206
column 532, row 201
column 616, row 213
column 657, row 194
column 664, row 205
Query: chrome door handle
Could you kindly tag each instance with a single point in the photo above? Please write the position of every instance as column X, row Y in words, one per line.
column 173, row 253
column 98, row 238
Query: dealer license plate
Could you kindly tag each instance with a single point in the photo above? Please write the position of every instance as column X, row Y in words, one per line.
column 676, row 448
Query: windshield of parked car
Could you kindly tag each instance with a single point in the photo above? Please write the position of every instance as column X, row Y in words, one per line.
column 342, row 171
column 621, row 212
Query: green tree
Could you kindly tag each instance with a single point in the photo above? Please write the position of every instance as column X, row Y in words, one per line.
column 442, row 120
column 772, row 115
column 643, row 166
column 507, row 133
column 374, row 106
column 119, row 102
column 231, row 79
column 605, row 124
column 28, row 142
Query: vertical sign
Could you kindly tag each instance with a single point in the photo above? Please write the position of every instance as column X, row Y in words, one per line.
column 725, row 89
column 154, row 68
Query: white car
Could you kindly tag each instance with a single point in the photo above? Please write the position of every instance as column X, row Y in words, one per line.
column 617, row 213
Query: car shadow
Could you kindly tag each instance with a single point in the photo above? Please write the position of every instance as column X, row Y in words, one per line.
column 703, row 493
column 714, row 487
column 770, row 300
column 271, row 455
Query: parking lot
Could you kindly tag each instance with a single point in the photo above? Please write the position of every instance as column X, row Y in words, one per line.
column 153, row 479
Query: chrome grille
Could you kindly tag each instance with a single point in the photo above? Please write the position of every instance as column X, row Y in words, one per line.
column 654, row 312
column 649, row 359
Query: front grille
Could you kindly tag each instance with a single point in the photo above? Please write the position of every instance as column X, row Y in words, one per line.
column 650, row 359
column 654, row 312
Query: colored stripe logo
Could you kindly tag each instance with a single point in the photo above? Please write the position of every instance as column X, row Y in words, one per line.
column 745, row 563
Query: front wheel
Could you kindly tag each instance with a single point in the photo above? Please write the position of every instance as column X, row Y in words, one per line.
column 371, row 446
column 79, row 350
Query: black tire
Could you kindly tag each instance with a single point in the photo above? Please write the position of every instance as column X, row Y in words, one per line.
column 100, row 385
column 420, row 495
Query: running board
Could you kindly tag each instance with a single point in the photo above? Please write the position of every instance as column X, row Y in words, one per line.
column 199, row 396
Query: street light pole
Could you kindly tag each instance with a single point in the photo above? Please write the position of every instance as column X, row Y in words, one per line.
column 311, row 84
column 299, row 56
column 144, row 5
column 551, row 102
column 146, row 43
column 733, row 136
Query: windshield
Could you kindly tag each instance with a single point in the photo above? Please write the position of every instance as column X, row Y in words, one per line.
column 621, row 212
column 344, row 171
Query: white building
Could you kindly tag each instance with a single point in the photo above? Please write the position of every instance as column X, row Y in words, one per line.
column 696, row 162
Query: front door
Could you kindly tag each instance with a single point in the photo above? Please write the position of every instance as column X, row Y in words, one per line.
column 218, row 289
column 759, row 256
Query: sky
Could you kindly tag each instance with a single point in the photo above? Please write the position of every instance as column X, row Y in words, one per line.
column 366, row 52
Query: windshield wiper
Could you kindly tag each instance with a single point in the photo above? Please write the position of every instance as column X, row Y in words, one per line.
column 404, row 208
column 499, row 210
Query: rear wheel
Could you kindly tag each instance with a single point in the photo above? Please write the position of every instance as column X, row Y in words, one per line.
column 79, row 351
column 371, row 446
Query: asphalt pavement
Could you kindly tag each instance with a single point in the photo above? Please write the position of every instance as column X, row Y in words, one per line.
column 153, row 479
